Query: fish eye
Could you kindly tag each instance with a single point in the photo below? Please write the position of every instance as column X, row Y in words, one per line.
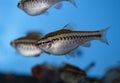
column 42, row 43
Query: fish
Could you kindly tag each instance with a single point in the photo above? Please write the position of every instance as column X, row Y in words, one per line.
column 63, row 41
column 72, row 74
column 41, row 71
column 26, row 46
column 46, row 72
column 37, row 7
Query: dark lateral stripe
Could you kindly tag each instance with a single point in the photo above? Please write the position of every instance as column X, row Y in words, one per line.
column 70, row 37
column 91, row 36
column 22, row 42
column 65, row 38
column 43, row 42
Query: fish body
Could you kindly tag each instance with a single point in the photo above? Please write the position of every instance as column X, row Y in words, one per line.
column 26, row 46
column 63, row 41
column 36, row 7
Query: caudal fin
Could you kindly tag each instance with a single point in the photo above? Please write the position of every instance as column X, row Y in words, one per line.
column 73, row 2
column 103, row 35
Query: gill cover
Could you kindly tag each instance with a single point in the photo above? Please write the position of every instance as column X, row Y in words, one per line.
column 44, row 45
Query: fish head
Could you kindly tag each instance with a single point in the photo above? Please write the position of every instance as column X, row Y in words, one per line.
column 16, row 43
column 21, row 4
column 44, row 44
column 38, row 71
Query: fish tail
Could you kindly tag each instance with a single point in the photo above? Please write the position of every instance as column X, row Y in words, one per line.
column 73, row 2
column 103, row 35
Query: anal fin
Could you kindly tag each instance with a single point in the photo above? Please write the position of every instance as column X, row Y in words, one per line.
column 87, row 44
column 58, row 6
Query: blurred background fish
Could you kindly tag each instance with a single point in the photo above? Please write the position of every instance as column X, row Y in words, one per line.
column 47, row 73
column 37, row 7
column 26, row 46
column 64, row 41
column 64, row 73
column 71, row 74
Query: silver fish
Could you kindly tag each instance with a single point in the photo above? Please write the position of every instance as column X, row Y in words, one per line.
column 26, row 46
column 63, row 41
column 36, row 7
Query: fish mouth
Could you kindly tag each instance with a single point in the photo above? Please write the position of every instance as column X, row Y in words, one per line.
column 19, row 5
column 12, row 44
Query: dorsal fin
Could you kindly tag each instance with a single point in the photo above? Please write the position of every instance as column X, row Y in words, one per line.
column 71, row 68
column 62, row 31
column 66, row 29
column 33, row 35
column 68, row 26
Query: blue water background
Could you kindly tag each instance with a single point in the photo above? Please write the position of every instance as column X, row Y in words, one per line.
column 89, row 15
